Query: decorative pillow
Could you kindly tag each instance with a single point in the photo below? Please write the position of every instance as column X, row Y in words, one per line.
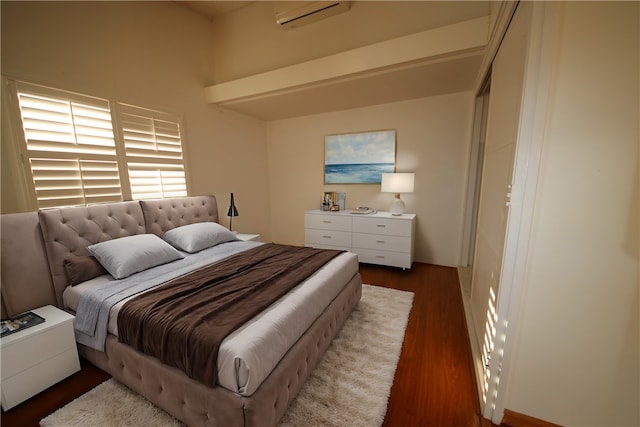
column 82, row 268
column 127, row 255
column 196, row 237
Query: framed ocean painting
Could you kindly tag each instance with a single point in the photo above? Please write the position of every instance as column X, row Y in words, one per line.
column 359, row 158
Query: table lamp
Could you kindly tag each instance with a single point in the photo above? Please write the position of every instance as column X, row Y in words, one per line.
column 397, row 183
column 233, row 211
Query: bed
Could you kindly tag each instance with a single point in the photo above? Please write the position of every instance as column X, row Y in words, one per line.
column 253, row 383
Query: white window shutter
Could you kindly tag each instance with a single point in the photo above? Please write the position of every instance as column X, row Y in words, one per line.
column 70, row 145
column 153, row 151
column 75, row 158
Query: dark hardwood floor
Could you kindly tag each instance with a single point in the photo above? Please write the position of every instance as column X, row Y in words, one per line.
column 434, row 383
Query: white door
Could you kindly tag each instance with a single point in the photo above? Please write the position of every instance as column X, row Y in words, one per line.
column 505, row 98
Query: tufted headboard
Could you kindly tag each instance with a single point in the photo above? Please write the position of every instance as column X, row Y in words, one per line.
column 46, row 238
column 161, row 216
column 68, row 231
column 25, row 279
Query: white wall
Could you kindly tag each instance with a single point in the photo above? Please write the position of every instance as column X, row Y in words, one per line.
column 433, row 137
column 151, row 54
column 253, row 29
column 576, row 357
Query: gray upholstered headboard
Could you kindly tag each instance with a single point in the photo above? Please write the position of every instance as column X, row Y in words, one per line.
column 24, row 273
column 35, row 245
column 163, row 215
column 68, row 231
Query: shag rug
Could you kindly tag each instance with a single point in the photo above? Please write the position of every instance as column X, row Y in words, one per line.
column 349, row 387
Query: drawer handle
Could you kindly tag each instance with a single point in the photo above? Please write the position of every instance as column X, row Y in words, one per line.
column 380, row 256
column 327, row 222
column 379, row 241
column 380, row 225
column 326, row 237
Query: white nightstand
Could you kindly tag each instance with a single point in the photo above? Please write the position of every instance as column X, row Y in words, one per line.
column 248, row 237
column 38, row 357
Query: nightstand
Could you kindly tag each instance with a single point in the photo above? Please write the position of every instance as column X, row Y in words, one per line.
column 248, row 237
column 38, row 357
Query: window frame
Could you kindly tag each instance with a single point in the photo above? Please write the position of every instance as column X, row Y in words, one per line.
column 19, row 141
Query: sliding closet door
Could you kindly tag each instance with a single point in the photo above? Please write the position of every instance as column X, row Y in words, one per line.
column 505, row 98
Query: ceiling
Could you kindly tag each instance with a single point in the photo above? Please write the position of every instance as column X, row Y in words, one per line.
column 214, row 9
column 429, row 77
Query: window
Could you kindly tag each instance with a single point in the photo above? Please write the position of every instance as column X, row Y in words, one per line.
column 153, row 149
column 75, row 157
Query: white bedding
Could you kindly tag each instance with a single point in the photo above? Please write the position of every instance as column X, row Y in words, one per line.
column 248, row 355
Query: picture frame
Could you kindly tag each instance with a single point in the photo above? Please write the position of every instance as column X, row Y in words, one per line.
column 329, row 201
column 359, row 158
column 20, row 322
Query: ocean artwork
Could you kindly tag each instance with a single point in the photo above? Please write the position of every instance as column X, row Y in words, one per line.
column 367, row 173
column 359, row 158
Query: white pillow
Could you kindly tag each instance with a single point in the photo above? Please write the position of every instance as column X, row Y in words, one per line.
column 196, row 237
column 127, row 255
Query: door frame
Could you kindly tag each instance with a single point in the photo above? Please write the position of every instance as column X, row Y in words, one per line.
column 505, row 12
column 511, row 290
column 474, row 178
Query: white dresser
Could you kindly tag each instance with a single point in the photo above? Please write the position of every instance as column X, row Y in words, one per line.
column 379, row 238
column 38, row 357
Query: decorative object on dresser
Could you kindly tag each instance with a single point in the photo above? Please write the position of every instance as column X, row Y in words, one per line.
column 377, row 238
column 329, row 201
column 397, row 183
column 342, row 200
column 233, row 211
column 37, row 357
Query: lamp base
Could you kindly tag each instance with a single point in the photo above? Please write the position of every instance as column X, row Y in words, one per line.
column 397, row 207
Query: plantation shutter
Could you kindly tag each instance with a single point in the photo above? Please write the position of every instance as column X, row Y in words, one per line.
column 70, row 146
column 153, row 151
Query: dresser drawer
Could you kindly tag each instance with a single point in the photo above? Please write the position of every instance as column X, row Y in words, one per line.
column 393, row 227
column 327, row 222
column 36, row 348
column 394, row 259
column 32, row 381
column 338, row 239
column 381, row 242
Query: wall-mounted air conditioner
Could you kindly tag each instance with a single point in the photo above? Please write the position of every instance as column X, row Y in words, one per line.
column 291, row 14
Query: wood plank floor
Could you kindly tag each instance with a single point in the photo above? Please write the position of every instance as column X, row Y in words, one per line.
column 434, row 383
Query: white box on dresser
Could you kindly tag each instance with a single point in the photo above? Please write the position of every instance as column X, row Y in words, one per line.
column 377, row 238
column 38, row 357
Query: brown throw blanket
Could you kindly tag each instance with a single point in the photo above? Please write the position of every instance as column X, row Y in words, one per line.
column 184, row 321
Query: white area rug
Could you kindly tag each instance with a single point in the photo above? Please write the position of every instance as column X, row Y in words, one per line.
column 350, row 386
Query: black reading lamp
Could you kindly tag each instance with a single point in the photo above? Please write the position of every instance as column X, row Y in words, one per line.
column 233, row 211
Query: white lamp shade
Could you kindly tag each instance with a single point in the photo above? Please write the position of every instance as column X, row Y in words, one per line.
column 397, row 182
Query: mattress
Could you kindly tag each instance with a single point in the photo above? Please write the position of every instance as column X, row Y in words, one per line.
column 248, row 355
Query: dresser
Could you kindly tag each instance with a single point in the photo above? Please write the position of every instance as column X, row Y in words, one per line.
column 38, row 357
column 379, row 238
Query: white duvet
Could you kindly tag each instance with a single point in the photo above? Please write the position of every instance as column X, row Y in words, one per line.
column 248, row 355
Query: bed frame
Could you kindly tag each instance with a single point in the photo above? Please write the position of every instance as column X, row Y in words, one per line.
column 34, row 246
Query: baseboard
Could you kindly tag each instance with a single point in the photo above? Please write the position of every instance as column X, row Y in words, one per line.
column 516, row 419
